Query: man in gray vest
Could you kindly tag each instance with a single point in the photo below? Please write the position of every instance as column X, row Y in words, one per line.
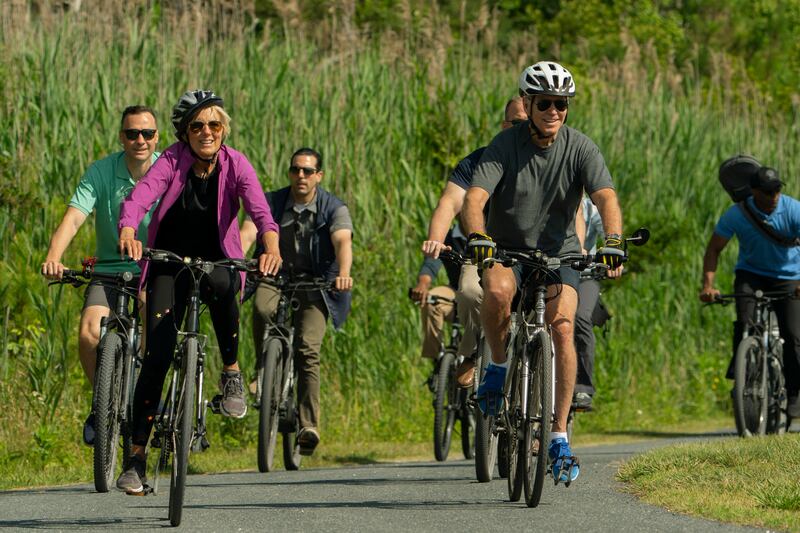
column 536, row 173
column 316, row 234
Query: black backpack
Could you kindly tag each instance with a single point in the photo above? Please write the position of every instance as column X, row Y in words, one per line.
column 735, row 175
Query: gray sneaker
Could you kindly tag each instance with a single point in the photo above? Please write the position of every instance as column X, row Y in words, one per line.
column 133, row 478
column 233, row 402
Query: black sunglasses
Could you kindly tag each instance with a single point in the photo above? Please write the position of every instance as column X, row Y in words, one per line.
column 294, row 169
column 132, row 134
column 544, row 105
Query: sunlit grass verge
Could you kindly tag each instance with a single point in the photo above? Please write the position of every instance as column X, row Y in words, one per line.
column 750, row 482
column 74, row 462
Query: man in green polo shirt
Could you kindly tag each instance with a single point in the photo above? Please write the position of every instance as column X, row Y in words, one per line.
column 104, row 185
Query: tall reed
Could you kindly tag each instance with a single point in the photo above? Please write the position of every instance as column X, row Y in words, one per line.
column 392, row 117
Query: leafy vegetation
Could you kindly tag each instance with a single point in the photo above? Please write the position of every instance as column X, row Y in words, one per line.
column 392, row 110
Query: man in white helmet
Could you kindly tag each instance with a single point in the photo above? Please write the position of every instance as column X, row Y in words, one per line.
column 536, row 174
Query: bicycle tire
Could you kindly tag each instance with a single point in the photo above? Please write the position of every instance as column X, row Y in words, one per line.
column 184, row 417
column 485, row 438
column 270, row 377
column 540, row 415
column 443, row 413
column 515, row 426
column 749, row 389
column 467, row 427
column 291, row 452
column 107, row 389
column 777, row 417
column 502, row 456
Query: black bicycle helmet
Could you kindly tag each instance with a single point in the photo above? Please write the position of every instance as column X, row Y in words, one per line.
column 737, row 173
column 188, row 105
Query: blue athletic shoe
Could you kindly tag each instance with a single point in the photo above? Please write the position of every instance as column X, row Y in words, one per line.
column 490, row 391
column 565, row 467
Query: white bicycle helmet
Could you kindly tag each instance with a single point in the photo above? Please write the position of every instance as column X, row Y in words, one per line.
column 546, row 77
column 190, row 103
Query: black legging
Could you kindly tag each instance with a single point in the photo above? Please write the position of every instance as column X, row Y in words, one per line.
column 788, row 313
column 167, row 295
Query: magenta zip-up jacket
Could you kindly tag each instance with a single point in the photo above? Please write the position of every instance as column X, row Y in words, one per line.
column 166, row 180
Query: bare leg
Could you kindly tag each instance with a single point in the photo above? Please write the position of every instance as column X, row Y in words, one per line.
column 560, row 314
column 89, row 337
column 499, row 287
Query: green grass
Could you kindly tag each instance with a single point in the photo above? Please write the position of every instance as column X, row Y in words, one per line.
column 750, row 482
column 392, row 116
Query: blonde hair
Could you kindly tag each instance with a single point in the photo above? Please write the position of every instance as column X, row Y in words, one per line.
column 223, row 117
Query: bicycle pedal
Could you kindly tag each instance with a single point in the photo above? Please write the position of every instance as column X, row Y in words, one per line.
column 216, row 404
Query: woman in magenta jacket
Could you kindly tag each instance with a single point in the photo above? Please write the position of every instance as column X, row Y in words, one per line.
column 199, row 182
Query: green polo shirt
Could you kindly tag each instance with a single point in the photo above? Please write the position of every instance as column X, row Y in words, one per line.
column 102, row 188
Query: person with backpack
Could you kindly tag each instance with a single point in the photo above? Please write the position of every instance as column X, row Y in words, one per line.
column 767, row 225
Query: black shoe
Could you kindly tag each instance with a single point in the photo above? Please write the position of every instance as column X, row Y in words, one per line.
column 88, row 430
column 133, row 478
column 307, row 440
column 582, row 401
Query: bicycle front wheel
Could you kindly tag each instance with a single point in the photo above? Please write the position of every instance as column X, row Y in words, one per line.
column 485, row 435
column 184, row 430
column 270, row 380
column 444, row 416
column 750, row 388
column 467, row 427
column 540, row 416
column 107, row 393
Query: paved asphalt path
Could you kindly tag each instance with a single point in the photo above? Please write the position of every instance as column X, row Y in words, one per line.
column 418, row 496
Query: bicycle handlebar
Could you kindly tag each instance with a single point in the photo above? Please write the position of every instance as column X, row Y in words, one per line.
column 284, row 282
column 759, row 295
column 165, row 256
column 432, row 299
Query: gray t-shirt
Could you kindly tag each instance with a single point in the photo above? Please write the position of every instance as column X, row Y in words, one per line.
column 535, row 191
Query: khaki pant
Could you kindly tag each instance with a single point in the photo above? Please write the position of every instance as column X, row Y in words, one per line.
column 309, row 322
column 433, row 317
column 468, row 300
column 468, row 305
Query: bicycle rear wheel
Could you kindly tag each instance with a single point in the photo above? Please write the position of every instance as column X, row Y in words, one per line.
column 291, row 450
column 750, row 388
column 107, row 393
column 515, row 427
column 540, row 416
column 444, row 416
column 183, row 433
column 270, row 380
column 485, row 435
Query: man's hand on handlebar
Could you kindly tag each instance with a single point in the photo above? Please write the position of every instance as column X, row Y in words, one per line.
column 128, row 245
column 269, row 263
column 709, row 294
column 432, row 249
column 53, row 269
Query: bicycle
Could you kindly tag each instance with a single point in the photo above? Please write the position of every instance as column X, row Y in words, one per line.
column 526, row 414
column 277, row 376
column 180, row 426
column 118, row 360
column 759, row 390
column 450, row 402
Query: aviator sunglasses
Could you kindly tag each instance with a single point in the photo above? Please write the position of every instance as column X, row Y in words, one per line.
column 544, row 105
column 197, row 126
column 132, row 134
column 294, row 169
